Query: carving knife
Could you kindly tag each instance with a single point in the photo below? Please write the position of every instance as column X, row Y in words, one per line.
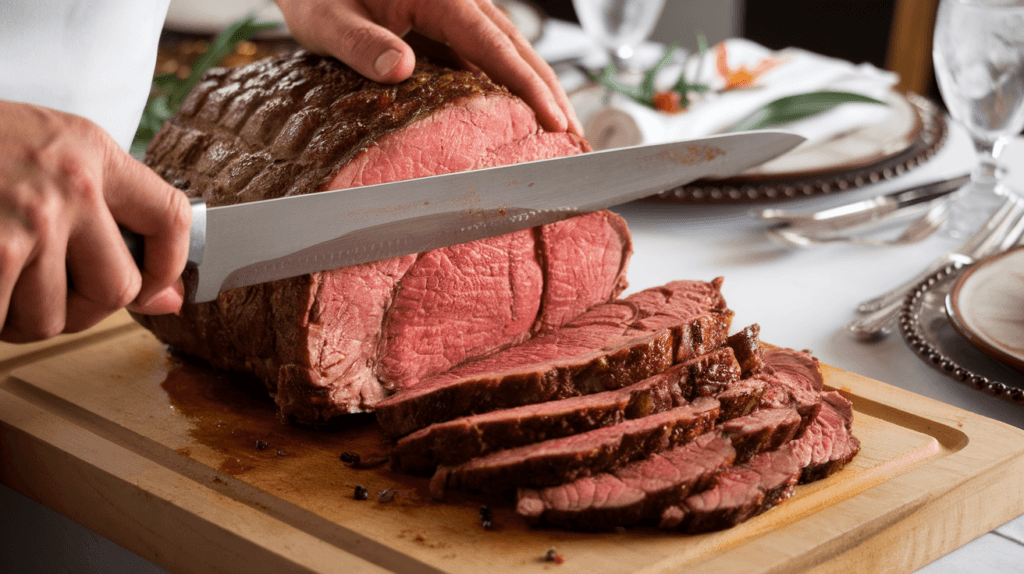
column 250, row 243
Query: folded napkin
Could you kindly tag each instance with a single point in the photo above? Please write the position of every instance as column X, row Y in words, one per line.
column 615, row 120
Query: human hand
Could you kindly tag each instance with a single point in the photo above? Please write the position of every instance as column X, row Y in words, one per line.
column 367, row 35
column 64, row 187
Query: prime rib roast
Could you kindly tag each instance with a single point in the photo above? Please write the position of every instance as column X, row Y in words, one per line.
column 336, row 342
column 506, row 365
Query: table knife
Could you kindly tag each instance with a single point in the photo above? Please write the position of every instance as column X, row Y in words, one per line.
column 865, row 211
column 245, row 244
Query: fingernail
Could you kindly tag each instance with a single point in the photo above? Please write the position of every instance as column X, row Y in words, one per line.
column 387, row 62
column 574, row 124
column 167, row 300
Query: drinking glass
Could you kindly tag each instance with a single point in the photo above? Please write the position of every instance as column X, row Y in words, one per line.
column 618, row 25
column 979, row 62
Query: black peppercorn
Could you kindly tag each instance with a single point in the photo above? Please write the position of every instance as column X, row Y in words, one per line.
column 349, row 458
column 486, row 518
column 261, row 445
column 361, row 493
column 553, row 556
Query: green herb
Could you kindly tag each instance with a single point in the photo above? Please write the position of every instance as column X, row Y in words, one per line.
column 169, row 91
column 644, row 93
column 793, row 108
column 684, row 86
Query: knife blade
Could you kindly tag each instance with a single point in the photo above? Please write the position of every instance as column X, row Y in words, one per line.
column 250, row 243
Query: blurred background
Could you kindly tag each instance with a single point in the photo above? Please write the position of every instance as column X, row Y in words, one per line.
column 853, row 30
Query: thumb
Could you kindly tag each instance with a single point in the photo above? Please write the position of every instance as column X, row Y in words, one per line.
column 347, row 32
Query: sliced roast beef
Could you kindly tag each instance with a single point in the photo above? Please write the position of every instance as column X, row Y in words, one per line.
column 763, row 430
column 793, row 379
column 640, row 490
column 633, row 493
column 560, row 460
column 742, row 397
column 747, row 345
column 833, row 443
column 746, row 490
column 742, row 492
column 610, row 346
column 457, row 441
column 338, row 341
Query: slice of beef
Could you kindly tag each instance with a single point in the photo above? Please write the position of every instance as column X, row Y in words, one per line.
column 454, row 442
column 767, row 479
column 793, row 379
column 763, row 430
column 834, row 445
column 742, row 397
column 633, row 493
column 749, row 352
column 639, row 491
column 560, row 460
column 338, row 341
column 741, row 492
column 610, row 346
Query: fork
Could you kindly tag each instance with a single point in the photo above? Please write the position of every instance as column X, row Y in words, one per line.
column 1002, row 231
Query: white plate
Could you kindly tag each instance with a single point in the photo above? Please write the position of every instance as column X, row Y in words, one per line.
column 987, row 306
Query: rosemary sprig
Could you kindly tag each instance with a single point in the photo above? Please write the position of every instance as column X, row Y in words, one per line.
column 169, row 91
column 645, row 91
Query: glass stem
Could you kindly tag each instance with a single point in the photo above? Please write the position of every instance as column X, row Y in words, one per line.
column 987, row 173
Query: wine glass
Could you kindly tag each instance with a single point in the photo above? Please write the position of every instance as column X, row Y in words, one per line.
column 979, row 62
column 618, row 25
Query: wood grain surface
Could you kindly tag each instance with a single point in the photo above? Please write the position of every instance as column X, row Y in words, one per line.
column 191, row 469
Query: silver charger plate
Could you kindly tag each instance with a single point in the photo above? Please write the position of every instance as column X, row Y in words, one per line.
column 927, row 329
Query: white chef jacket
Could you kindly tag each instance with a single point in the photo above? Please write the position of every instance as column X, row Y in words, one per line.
column 94, row 58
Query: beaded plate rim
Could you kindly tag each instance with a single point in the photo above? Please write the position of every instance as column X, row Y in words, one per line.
column 910, row 329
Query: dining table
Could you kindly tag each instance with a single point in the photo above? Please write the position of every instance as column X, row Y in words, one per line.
column 801, row 297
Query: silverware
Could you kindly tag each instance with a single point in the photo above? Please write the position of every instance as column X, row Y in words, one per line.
column 865, row 212
column 918, row 230
column 1002, row 230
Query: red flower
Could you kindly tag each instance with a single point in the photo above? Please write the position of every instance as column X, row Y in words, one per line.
column 669, row 101
column 741, row 77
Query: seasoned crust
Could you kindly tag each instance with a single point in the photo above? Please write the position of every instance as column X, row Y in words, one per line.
column 285, row 125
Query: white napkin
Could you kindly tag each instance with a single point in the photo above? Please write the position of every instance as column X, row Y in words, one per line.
column 617, row 121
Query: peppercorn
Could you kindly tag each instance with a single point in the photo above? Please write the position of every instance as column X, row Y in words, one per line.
column 261, row 444
column 486, row 518
column 361, row 493
column 350, row 458
column 553, row 556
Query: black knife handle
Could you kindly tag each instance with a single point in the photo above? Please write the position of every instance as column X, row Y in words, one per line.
column 134, row 241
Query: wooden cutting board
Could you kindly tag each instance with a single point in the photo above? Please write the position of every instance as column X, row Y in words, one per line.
column 167, row 458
